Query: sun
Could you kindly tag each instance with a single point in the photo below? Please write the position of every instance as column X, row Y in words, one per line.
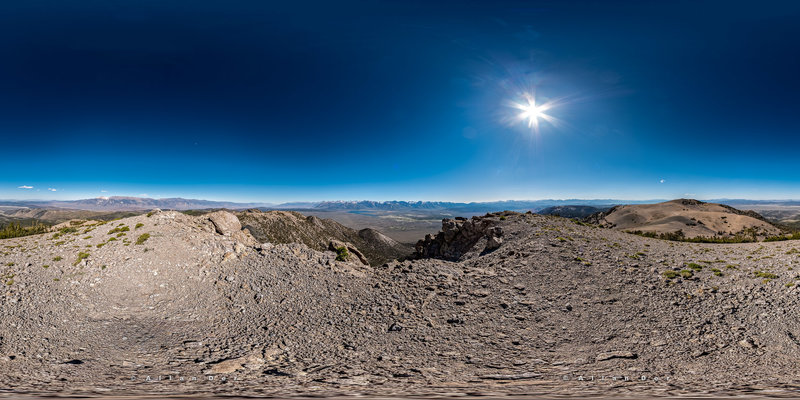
column 532, row 112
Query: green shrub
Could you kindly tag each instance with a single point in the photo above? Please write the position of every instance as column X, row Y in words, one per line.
column 694, row 266
column 81, row 256
column 142, row 238
column 670, row 274
column 139, row 225
column 13, row 230
column 766, row 275
column 679, row 236
column 779, row 238
column 119, row 229
column 342, row 254
column 67, row 230
column 57, row 258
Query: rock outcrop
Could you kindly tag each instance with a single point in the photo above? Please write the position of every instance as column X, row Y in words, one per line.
column 317, row 233
column 461, row 236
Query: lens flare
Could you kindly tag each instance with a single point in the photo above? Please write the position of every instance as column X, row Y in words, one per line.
column 531, row 112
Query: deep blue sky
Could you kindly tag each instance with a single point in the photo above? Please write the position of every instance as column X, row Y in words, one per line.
column 256, row 101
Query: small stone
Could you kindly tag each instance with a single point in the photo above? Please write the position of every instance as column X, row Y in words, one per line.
column 394, row 327
column 747, row 343
column 615, row 354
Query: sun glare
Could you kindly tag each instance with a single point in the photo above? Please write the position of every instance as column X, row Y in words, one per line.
column 532, row 112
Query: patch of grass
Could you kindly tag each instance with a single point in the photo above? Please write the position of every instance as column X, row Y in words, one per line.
column 139, row 225
column 150, row 214
column 764, row 274
column 143, row 238
column 716, row 271
column 100, row 245
column 45, row 266
column 670, row 274
column 686, row 274
column 81, row 256
column 342, row 254
column 87, row 238
column 694, row 266
column 57, row 258
column 119, row 229
column 10, row 264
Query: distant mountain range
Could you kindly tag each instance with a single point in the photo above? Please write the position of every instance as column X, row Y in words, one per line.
column 120, row 203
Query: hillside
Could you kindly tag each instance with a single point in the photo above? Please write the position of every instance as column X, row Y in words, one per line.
column 56, row 216
column 317, row 233
column 97, row 310
column 572, row 211
column 691, row 218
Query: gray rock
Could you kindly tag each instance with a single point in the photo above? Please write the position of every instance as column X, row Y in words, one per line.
column 225, row 223
column 615, row 354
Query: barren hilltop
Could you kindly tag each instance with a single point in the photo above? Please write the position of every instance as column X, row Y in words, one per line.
column 504, row 303
column 687, row 218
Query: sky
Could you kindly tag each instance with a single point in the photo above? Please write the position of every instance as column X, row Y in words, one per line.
column 399, row 100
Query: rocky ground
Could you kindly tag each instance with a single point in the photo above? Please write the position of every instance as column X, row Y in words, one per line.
column 167, row 303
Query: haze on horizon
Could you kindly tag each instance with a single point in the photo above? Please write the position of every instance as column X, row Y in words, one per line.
column 255, row 102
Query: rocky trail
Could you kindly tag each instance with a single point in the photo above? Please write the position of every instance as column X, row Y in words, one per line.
column 167, row 303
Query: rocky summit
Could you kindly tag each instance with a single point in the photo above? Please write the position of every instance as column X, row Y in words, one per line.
column 507, row 303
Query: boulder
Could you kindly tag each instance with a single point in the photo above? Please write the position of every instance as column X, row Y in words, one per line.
column 225, row 223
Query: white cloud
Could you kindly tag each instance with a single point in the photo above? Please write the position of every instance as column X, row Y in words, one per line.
column 662, row 181
column 52, row 189
column 25, row 187
column 104, row 191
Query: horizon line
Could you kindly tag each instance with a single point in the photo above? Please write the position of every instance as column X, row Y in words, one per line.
column 408, row 201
